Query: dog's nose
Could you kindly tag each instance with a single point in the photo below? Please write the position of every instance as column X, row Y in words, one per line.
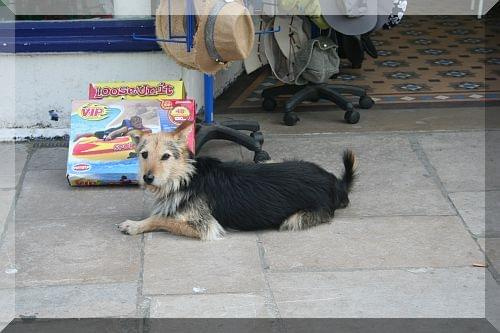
column 148, row 178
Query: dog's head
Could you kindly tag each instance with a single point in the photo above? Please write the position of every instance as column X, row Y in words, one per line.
column 164, row 158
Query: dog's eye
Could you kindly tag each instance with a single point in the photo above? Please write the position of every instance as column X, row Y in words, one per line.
column 165, row 157
column 144, row 154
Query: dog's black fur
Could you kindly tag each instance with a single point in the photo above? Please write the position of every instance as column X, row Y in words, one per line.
column 262, row 196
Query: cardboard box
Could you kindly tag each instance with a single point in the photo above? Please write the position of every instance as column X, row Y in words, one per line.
column 101, row 150
column 137, row 90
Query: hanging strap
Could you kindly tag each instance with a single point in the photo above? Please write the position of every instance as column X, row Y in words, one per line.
column 210, row 29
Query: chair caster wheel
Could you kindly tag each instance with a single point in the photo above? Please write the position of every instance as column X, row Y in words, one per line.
column 290, row 119
column 352, row 117
column 258, row 136
column 366, row 102
column 269, row 104
column 261, row 156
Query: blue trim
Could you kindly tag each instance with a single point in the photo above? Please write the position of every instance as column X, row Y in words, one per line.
column 104, row 35
column 209, row 98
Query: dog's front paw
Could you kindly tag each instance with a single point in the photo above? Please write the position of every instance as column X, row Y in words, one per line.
column 130, row 227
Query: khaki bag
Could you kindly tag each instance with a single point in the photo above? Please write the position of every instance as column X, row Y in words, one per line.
column 317, row 61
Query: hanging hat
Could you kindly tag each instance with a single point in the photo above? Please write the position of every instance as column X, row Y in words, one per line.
column 281, row 67
column 350, row 17
column 293, row 33
column 257, row 58
column 171, row 14
column 398, row 11
column 225, row 33
column 385, row 10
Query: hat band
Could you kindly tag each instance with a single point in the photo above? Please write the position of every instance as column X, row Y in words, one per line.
column 210, row 29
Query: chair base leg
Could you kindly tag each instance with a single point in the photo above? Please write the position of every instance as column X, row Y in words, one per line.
column 230, row 131
column 315, row 92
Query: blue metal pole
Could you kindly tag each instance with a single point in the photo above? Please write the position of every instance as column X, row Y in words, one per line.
column 190, row 25
column 209, row 98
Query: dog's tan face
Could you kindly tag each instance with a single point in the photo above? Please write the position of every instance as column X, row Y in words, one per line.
column 164, row 157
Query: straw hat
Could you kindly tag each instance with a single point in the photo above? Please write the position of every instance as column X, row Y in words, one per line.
column 176, row 51
column 350, row 17
column 225, row 33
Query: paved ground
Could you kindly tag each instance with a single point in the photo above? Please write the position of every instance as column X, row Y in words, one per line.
column 404, row 248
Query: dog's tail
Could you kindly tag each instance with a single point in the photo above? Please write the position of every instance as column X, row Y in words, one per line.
column 350, row 165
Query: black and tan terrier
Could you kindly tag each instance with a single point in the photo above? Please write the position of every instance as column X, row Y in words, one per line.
column 202, row 197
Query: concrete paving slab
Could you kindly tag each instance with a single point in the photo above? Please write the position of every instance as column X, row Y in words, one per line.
column 415, row 293
column 234, row 305
column 492, row 211
column 7, row 304
column 492, row 300
column 73, row 251
column 7, row 276
column 471, row 207
column 223, row 150
column 482, row 243
column 49, row 180
column 8, row 259
column 391, row 150
column 49, row 159
column 6, row 201
column 332, row 120
column 46, row 194
column 491, row 247
column 459, row 159
column 77, row 204
column 386, row 190
column 78, row 301
column 179, row 265
column 14, row 156
column 383, row 160
column 389, row 201
column 482, row 220
column 373, row 242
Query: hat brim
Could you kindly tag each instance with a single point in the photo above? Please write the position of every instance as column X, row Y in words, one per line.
column 256, row 59
column 277, row 61
column 381, row 20
column 284, row 35
column 176, row 51
column 349, row 25
column 384, row 8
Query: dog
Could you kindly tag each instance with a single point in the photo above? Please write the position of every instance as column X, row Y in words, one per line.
column 203, row 197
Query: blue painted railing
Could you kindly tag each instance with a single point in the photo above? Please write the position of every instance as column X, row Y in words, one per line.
column 103, row 35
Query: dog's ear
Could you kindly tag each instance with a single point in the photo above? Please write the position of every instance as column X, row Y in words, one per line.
column 138, row 138
column 183, row 130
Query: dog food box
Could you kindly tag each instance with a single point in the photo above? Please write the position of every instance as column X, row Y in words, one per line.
column 137, row 90
column 101, row 147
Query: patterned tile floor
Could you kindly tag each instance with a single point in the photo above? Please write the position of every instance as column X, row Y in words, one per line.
column 438, row 59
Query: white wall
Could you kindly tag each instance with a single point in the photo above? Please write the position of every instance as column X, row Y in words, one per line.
column 193, row 80
column 33, row 84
